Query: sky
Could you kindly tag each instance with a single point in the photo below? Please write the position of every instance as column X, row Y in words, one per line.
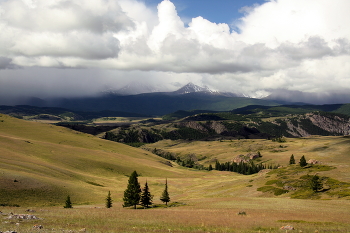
column 294, row 49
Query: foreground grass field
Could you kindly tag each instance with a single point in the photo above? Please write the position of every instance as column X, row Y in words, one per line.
column 41, row 164
column 201, row 215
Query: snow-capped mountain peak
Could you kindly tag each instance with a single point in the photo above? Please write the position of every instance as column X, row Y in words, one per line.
column 190, row 88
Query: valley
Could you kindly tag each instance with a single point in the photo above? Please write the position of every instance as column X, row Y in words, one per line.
column 174, row 116
column 42, row 163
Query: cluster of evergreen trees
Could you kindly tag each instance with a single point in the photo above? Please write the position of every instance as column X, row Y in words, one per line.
column 315, row 182
column 133, row 195
column 164, row 154
column 302, row 161
column 190, row 163
column 242, row 167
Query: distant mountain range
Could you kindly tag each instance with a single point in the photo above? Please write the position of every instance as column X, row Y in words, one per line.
column 158, row 104
column 188, row 97
column 132, row 100
column 141, row 88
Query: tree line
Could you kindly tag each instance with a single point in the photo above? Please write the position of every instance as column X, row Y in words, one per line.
column 242, row 167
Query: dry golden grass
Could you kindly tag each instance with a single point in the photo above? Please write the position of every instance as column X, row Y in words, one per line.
column 332, row 151
column 202, row 215
column 51, row 162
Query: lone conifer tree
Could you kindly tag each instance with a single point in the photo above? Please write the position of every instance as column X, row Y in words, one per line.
column 292, row 160
column 146, row 197
column 165, row 196
column 302, row 161
column 132, row 192
column 68, row 203
column 109, row 200
column 316, row 183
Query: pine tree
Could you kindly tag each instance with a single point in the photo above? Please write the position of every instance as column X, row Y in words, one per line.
column 249, row 170
column 210, row 167
column 302, row 161
column 68, row 203
column 132, row 192
column 316, row 183
column 146, row 197
column 217, row 165
column 291, row 160
column 165, row 196
column 234, row 167
column 109, row 200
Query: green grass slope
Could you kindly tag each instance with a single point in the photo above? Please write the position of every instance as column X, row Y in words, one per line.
column 41, row 164
column 331, row 152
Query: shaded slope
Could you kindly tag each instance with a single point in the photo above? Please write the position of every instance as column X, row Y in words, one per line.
column 293, row 109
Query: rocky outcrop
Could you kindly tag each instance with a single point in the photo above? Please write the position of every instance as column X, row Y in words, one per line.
column 247, row 158
column 296, row 131
column 313, row 161
column 193, row 125
column 334, row 124
column 317, row 124
column 287, row 228
column 22, row 216
column 218, row 127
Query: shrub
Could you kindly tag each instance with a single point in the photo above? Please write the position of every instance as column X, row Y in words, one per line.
column 274, row 190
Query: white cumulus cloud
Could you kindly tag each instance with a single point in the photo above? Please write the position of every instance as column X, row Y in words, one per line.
column 294, row 45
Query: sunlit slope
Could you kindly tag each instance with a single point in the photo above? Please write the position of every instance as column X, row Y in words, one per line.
column 333, row 152
column 45, row 163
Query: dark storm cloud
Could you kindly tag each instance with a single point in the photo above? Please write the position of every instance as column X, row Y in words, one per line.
column 6, row 63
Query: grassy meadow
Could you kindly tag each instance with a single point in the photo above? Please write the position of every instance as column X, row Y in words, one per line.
column 41, row 164
column 201, row 215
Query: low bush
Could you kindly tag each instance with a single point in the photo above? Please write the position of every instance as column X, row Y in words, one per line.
column 274, row 190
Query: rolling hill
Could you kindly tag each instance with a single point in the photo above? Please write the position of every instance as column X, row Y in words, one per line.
column 42, row 164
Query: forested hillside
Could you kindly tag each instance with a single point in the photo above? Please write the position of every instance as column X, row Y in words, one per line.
column 216, row 126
